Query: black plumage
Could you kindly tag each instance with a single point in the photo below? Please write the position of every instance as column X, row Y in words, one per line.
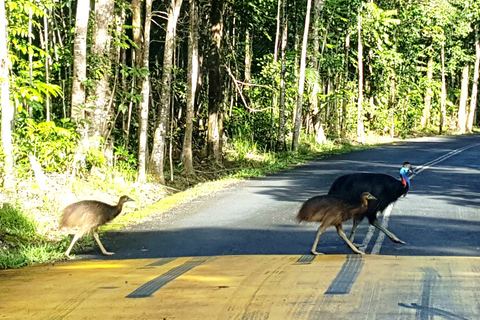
column 86, row 216
column 386, row 189
column 333, row 211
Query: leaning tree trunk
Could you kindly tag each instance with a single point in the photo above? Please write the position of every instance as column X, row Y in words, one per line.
column 157, row 158
column 7, row 108
column 79, row 61
column 360, row 127
column 462, row 107
column 100, row 96
column 191, row 90
column 473, row 101
column 143, row 121
column 428, row 95
column 301, row 81
column 215, row 87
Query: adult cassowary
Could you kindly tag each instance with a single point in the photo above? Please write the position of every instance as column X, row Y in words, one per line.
column 385, row 188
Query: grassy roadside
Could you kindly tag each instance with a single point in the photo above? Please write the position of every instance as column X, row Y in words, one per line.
column 30, row 236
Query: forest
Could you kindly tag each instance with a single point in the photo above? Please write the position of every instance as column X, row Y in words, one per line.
column 158, row 90
column 154, row 86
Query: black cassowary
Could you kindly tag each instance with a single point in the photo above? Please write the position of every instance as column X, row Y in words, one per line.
column 86, row 216
column 333, row 211
column 386, row 189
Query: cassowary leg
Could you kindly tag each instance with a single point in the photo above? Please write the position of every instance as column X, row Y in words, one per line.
column 321, row 229
column 342, row 234
column 356, row 222
column 392, row 237
column 75, row 238
column 105, row 252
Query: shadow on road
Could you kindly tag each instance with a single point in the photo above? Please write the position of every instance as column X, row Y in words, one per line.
column 294, row 239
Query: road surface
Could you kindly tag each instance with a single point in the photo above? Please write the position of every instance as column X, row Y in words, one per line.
column 240, row 254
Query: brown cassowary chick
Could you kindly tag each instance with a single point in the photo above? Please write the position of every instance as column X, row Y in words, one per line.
column 332, row 211
column 87, row 216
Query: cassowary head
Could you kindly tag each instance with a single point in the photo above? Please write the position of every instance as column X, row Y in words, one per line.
column 406, row 168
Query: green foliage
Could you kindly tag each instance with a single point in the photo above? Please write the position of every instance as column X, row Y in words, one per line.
column 53, row 146
column 28, row 80
column 16, row 224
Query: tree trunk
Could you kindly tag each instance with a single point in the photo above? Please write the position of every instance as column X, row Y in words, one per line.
column 80, row 61
column 443, row 99
column 215, row 82
column 277, row 30
column 476, row 74
column 7, row 108
column 317, row 10
column 301, row 81
column 283, row 54
column 158, row 151
column 360, row 128
column 47, row 62
column 248, row 57
column 144, row 105
column 137, row 32
column 100, row 97
column 428, row 95
column 343, row 118
column 193, row 67
column 462, row 107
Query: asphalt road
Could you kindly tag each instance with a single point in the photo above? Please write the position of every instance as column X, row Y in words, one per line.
column 240, row 254
column 439, row 216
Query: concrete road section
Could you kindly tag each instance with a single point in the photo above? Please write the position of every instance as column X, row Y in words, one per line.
column 247, row 287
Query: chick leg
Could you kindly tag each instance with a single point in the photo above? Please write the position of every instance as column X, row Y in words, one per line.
column 105, row 252
column 342, row 234
column 356, row 222
column 75, row 238
column 321, row 229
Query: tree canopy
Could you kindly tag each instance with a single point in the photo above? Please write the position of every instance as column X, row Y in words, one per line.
column 118, row 91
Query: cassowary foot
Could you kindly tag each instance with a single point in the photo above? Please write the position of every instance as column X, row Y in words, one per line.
column 315, row 253
column 396, row 240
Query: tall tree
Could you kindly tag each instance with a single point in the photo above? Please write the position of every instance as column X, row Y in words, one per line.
column 301, row 81
column 360, row 127
column 476, row 74
column 7, row 108
column 462, row 108
column 100, row 97
column 215, row 81
column 191, row 90
column 443, row 98
column 157, row 159
column 144, row 105
column 428, row 94
column 283, row 67
column 80, row 60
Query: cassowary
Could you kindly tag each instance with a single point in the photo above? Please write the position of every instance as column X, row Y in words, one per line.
column 88, row 215
column 386, row 189
column 333, row 211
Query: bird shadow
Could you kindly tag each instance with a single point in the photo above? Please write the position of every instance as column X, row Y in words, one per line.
column 294, row 239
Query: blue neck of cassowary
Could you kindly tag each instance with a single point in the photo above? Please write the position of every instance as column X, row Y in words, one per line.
column 404, row 177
